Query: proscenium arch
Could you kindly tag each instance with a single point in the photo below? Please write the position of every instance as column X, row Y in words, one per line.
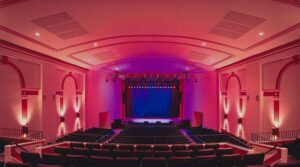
column 295, row 61
column 233, row 75
column 64, row 79
column 5, row 61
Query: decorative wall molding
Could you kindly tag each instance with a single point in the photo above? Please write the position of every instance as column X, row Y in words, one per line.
column 5, row 61
column 295, row 61
column 38, row 55
column 268, row 53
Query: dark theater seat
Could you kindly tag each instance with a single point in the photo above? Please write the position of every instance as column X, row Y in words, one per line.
column 231, row 160
column 52, row 159
column 96, row 161
column 29, row 157
column 127, row 162
column 154, row 162
column 180, row 162
column 206, row 161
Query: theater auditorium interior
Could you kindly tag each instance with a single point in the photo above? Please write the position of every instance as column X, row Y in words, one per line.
column 149, row 83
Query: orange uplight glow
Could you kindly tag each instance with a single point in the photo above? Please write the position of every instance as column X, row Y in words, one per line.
column 240, row 131
column 77, row 124
column 226, row 125
column 61, row 129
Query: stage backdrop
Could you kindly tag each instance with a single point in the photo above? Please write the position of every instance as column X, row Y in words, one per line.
column 159, row 102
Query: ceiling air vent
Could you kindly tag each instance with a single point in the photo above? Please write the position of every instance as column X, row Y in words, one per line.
column 234, row 24
column 62, row 25
column 198, row 56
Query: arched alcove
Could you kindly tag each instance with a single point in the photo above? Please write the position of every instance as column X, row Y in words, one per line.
column 10, row 107
column 289, row 98
column 69, row 96
column 233, row 91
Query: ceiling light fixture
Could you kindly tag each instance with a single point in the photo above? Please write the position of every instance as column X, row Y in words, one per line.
column 37, row 34
column 95, row 44
column 203, row 44
column 261, row 34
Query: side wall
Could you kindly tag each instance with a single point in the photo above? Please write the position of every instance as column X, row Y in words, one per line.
column 45, row 78
column 257, row 78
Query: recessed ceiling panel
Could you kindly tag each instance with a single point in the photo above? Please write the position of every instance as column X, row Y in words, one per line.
column 62, row 25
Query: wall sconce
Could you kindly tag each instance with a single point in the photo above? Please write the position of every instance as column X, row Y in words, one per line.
column 24, row 130
column 62, row 119
column 77, row 115
column 275, row 131
column 240, row 120
column 225, row 116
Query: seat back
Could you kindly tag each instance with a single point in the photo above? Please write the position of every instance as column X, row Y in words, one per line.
column 163, row 147
column 165, row 154
column 52, row 159
column 96, row 161
column 230, row 160
column 92, row 146
column 142, row 153
column 254, row 159
column 29, row 157
column 62, row 150
column 208, row 161
column 122, row 153
column 178, row 147
column 126, row 147
column 127, row 162
column 180, row 162
column 101, row 152
column 144, row 147
column 204, row 152
column 76, row 160
column 80, row 151
column 223, row 151
column 14, row 164
column 154, row 162
column 183, row 153
column 195, row 147
column 109, row 146
column 81, row 145
column 212, row 146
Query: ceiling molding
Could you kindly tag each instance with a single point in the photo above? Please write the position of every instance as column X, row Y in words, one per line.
column 35, row 54
column 7, row 3
column 135, row 42
column 15, row 33
column 270, row 52
column 273, row 37
column 150, row 35
column 229, row 55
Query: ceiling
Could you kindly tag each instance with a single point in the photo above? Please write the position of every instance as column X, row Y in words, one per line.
column 135, row 36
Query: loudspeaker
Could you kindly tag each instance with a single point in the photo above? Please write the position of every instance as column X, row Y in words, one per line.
column 123, row 97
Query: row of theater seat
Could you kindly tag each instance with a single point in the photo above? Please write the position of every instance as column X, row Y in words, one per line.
column 162, row 147
column 204, row 135
column 150, row 134
column 106, row 161
column 294, row 148
column 89, row 135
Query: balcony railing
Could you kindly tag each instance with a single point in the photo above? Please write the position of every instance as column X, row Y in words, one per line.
column 262, row 137
column 17, row 133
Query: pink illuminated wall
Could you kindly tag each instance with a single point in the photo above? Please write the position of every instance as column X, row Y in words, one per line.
column 258, row 81
column 103, row 95
column 43, row 78
column 200, row 96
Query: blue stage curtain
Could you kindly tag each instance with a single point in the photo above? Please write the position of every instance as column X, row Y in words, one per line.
column 152, row 103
